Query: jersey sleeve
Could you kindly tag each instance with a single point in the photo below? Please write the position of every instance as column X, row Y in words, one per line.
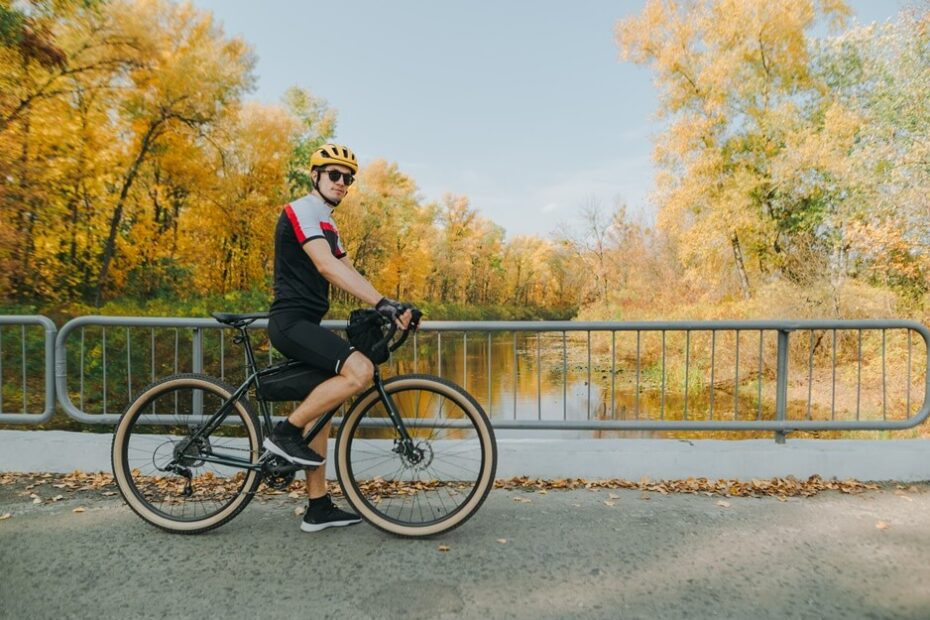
column 312, row 221
column 335, row 241
column 305, row 220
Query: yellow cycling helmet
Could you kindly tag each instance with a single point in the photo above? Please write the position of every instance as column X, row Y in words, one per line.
column 334, row 154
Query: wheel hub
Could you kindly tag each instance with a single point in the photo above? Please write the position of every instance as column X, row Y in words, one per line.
column 190, row 453
column 422, row 456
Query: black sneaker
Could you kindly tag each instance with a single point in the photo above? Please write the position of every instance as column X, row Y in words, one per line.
column 322, row 514
column 291, row 446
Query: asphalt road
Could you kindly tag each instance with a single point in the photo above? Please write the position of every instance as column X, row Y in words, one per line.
column 563, row 554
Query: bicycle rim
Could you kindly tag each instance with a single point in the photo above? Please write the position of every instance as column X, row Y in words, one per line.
column 167, row 479
column 450, row 474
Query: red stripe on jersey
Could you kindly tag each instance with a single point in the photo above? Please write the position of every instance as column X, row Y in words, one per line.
column 298, row 231
column 340, row 251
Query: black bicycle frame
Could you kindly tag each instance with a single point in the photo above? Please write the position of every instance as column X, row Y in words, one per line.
column 254, row 377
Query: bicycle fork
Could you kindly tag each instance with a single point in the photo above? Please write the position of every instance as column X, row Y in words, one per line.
column 404, row 445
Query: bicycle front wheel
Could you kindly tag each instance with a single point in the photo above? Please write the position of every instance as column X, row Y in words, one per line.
column 170, row 478
column 437, row 486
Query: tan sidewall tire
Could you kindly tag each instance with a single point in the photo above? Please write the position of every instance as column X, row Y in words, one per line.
column 487, row 442
column 122, row 477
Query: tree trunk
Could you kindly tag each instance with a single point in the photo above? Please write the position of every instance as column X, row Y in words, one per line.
column 740, row 266
column 24, row 218
column 108, row 248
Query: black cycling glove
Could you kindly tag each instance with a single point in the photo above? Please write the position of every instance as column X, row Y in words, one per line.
column 390, row 308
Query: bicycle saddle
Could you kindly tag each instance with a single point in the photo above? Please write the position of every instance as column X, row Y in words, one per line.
column 238, row 320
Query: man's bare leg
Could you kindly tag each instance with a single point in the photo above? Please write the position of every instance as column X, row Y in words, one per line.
column 316, row 477
column 356, row 375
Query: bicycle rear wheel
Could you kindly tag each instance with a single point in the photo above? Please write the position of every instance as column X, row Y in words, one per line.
column 167, row 478
column 443, row 484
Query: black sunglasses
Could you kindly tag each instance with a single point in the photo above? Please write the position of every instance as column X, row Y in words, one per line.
column 347, row 177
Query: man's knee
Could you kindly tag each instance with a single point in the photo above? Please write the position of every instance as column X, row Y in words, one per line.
column 359, row 370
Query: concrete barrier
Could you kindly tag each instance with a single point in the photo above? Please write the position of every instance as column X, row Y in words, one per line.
column 903, row 460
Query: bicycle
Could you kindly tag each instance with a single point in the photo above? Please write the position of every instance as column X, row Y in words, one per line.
column 415, row 454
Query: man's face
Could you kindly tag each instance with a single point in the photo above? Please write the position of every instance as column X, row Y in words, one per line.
column 334, row 190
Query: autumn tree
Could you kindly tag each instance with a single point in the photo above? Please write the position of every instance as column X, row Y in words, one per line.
column 882, row 73
column 189, row 75
column 56, row 60
column 388, row 232
column 750, row 163
column 316, row 125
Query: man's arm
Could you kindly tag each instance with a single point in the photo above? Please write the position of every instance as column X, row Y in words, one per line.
column 340, row 272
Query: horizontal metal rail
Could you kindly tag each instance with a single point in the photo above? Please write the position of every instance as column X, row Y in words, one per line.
column 568, row 375
column 19, row 373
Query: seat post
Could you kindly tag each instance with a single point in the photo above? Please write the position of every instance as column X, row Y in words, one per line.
column 247, row 345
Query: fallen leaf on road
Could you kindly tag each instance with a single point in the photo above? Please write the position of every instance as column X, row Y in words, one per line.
column 37, row 500
column 58, row 498
column 522, row 500
column 609, row 503
column 294, row 495
column 613, row 496
column 542, row 491
column 502, row 541
column 645, row 497
column 79, row 509
column 442, row 548
column 723, row 504
column 781, row 498
column 905, row 497
column 882, row 525
column 5, row 516
column 108, row 493
column 299, row 510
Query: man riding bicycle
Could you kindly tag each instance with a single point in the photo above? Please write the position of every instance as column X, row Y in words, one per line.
column 309, row 256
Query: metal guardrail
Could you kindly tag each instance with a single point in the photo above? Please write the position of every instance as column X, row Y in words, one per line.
column 22, row 394
column 602, row 376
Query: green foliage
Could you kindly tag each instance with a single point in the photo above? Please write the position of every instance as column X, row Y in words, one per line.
column 317, row 126
column 11, row 26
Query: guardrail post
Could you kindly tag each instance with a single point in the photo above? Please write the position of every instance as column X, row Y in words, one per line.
column 197, row 339
column 197, row 364
column 781, row 384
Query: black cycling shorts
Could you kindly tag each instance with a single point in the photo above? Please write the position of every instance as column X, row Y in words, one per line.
column 301, row 339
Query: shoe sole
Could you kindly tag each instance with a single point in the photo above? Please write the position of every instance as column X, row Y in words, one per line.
column 317, row 527
column 271, row 447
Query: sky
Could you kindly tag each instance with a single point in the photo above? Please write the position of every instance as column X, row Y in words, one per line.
column 524, row 107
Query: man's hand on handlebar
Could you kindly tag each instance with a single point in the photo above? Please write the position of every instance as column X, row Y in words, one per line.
column 405, row 316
